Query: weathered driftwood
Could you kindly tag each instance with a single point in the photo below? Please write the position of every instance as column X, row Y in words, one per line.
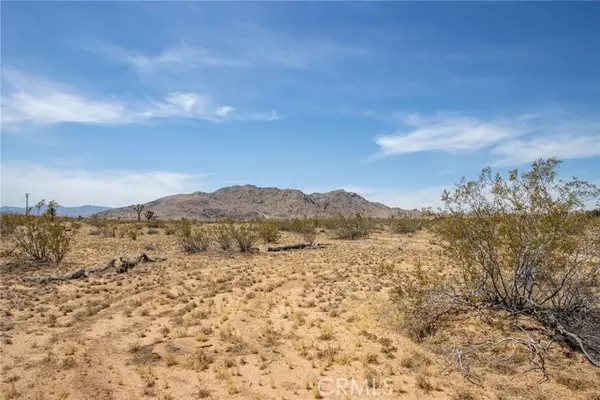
column 125, row 265
column 296, row 247
column 128, row 264
column 107, row 266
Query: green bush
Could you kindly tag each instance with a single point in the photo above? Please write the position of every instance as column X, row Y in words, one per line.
column 183, row 227
column 269, row 232
column 42, row 239
column 130, row 231
column 195, row 240
column 106, row 228
column 10, row 222
column 307, row 230
column 170, row 228
column 108, row 231
column 223, row 236
column 96, row 221
column 355, row 227
column 406, row 225
column 244, row 236
column 522, row 244
column 192, row 239
column 156, row 223
column 289, row 225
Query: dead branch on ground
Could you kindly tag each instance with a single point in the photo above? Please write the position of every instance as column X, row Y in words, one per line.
column 79, row 273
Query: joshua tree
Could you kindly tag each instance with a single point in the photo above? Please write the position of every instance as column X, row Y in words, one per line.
column 51, row 209
column 138, row 209
column 39, row 205
column 149, row 215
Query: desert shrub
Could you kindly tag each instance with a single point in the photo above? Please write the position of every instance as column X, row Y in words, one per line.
column 307, row 230
column 183, row 227
column 223, row 236
column 419, row 295
column 10, row 222
column 191, row 238
column 96, row 221
column 269, row 232
column 108, row 230
column 194, row 240
column 130, row 231
column 42, row 239
column 355, row 227
column 288, row 225
column 105, row 228
column 59, row 242
column 524, row 245
column 295, row 225
column 156, row 223
column 406, row 225
column 170, row 228
column 528, row 242
column 327, row 223
column 244, row 236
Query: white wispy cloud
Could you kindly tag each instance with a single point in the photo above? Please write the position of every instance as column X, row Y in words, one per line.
column 179, row 56
column 446, row 132
column 514, row 140
column 252, row 47
column 568, row 146
column 74, row 187
column 31, row 99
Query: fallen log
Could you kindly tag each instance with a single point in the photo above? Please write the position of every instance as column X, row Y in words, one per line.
column 128, row 264
column 107, row 266
column 297, row 247
column 82, row 272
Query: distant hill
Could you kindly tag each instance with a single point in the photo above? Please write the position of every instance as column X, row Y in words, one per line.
column 251, row 202
column 84, row 211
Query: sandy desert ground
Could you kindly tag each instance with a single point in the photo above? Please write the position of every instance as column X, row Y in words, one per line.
column 257, row 326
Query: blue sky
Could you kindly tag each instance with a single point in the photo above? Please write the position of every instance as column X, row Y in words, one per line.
column 114, row 103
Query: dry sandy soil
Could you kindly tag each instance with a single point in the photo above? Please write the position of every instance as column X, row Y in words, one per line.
column 259, row 326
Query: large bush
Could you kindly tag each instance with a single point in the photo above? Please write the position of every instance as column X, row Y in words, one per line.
column 524, row 245
column 42, row 239
column 9, row 223
column 268, row 231
column 307, row 230
column 305, row 227
column 525, row 242
column 192, row 239
column 244, row 235
column 223, row 236
column 406, row 225
column 352, row 227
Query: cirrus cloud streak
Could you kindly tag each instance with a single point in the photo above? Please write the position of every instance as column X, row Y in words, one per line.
column 512, row 141
column 29, row 99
